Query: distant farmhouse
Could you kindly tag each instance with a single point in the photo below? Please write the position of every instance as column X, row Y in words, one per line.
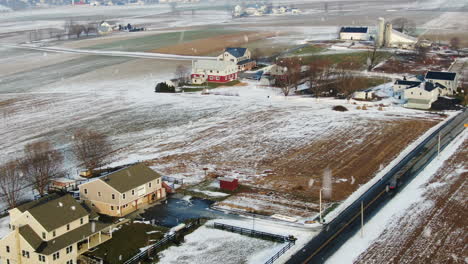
column 53, row 229
column 123, row 191
column 421, row 93
column 354, row 33
column 240, row 56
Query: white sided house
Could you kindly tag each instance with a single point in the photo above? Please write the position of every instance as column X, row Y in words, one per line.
column 422, row 96
column 447, row 79
column 213, row 71
column 354, row 33
column 400, row 86
column 242, row 57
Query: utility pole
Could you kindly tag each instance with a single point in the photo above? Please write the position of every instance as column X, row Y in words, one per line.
column 362, row 219
column 438, row 145
column 320, row 209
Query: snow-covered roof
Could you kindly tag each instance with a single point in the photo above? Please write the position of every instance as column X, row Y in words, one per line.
column 212, row 65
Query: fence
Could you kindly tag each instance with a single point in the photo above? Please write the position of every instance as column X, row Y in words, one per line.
column 280, row 253
column 289, row 239
column 251, row 232
column 147, row 252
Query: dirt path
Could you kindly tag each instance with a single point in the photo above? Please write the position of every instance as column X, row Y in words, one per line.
column 434, row 231
column 214, row 45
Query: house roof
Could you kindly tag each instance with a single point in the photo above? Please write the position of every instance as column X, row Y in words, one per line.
column 226, row 179
column 448, row 76
column 69, row 238
column 428, row 86
column 30, row 236
column 236, row 52
column 410, row 83
column 54, row 211
column 212, row 65
column 131, row 177
column 244, row 61
column 354, row 29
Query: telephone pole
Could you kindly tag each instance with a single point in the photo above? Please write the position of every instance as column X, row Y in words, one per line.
column 362, row 219
column 320, row 209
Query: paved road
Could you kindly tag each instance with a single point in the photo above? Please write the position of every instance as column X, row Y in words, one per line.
column 335, row 233
column 145, row 55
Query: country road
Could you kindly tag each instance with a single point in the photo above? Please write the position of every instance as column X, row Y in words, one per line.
column 144, row 55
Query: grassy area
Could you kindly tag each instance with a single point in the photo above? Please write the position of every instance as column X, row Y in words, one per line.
column 127, row 241
column 151, row 42
column 358, row 58
column 199, row 88
column 308, row 50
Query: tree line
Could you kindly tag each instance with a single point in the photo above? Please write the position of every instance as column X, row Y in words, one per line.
column 41, row 162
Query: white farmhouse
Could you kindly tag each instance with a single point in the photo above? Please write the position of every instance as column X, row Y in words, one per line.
column 354, row 33
column 447, row 79
column 238, row 56
column 401, row 85
column 422, row 96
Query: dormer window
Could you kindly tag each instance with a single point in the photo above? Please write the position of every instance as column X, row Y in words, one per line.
column 113, row 196
column 68, row 227
column 43, row 235
column 53, row 233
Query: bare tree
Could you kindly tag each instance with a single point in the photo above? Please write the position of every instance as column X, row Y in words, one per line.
column 292, row 74
column 11, row 181
column 404, row 25
column 91, row 148
column 182, row 73
column 455, row 44
column 319, row 74
column 344, row 78
column 89, row 28
column 41, row 163
column 257, row 54
column 373, row 57
column 422, row 52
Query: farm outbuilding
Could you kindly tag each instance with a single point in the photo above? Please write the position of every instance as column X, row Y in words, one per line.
column 229, row 184
column 354, row 33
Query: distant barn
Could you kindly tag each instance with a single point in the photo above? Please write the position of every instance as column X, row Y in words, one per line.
column 354, row 33
column 229, row 184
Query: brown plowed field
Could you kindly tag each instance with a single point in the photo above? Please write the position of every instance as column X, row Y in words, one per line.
column 214, row 45
column 437, row 234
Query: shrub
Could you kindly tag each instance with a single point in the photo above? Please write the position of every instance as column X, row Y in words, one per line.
column 162, row 87
column 340, row 108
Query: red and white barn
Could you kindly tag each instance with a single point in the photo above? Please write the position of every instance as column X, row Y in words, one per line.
column 213, row 71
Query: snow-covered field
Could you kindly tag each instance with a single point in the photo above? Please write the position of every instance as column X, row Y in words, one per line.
column 210, row 246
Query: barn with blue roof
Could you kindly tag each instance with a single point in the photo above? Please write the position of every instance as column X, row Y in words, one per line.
column 354, row 33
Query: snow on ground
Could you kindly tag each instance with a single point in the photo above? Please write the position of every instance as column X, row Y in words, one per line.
column 213, row 246
column 410, row 196
column 4, row 226
column 210, row 193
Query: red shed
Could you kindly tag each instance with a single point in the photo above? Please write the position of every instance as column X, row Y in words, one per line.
column 229, row 184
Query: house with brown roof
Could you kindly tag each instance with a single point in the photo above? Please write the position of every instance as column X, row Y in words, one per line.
column 123, row 191
column 53, row 229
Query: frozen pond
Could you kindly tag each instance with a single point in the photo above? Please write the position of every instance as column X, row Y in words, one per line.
column 179, row 208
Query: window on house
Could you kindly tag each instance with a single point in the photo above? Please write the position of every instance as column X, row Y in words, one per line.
column 70, row 261
column 7, row 261
column 81, row 221
column 211, row 77
column 53, row 233
column 68, row 227
column 86, row 191
column 41, row 258
column 123, row 196
column 25, row 253
column 8, row 249
column 133, row 192
column 149, row 184
column 113, row 196
column 99, row 194
column 56, row 256
column 69, row 249
column 217, row 78
column 43, row 235
column 112, row 207
column 420, row 93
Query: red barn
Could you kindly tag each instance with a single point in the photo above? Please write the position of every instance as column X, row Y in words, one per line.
column 213, row 71
column 229, row 184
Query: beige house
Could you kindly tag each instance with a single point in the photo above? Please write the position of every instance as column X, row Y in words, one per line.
column 123, row 191
column 241, row 57
column 53, row 229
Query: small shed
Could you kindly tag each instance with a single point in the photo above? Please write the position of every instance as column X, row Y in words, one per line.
column 64, row 184
column 229, row 184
